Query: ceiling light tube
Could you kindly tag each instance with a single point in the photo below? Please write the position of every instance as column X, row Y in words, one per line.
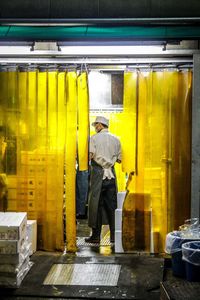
column 111, row 50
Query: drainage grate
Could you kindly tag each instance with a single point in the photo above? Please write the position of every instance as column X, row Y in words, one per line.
column 104, row 242
column 83, row 274
column 180, row 289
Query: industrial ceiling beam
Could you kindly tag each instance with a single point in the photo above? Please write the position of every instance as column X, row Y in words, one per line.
column 98, row 21
column 102, row 9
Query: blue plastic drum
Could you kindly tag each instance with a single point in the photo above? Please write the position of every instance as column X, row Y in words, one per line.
column 191, row 256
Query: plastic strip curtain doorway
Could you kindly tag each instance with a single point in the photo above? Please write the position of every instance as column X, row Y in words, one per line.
column 154, row 129
column 38, row 118
column 159, row 190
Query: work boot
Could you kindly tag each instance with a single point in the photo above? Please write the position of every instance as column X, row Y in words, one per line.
column 94, row 238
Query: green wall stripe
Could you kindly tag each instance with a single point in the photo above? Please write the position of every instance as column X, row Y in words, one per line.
column 84, row 32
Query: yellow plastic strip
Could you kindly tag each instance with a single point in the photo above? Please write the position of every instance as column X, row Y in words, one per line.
column 32, row 77
column 129, row 122
column 70, row 161
column 116, row 128
column 22, row 170
column 60, row 152
column 40, row 167
column 50, row 156
column 181, row 169
column 12, row 90
column 61, row 110
column 83, row 122
column 3, row 89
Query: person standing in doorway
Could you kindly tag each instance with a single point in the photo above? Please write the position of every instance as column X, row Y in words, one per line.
column 105, row 151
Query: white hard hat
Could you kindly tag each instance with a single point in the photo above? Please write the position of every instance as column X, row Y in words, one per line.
column 101, row 120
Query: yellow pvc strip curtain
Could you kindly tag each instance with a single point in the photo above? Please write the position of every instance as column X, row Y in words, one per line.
column 157, row 146
column 54, row 165
column 163, row 155
column 3, row 81
column 129, row 119
column 34, row 109
column 8, row 104
column 70, row 160
column 117, row 129
column 83, row 122
column 181, row 149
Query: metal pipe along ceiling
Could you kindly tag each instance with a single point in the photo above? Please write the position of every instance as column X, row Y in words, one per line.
column 99, row 21
column 102, row 9
column 31, row 33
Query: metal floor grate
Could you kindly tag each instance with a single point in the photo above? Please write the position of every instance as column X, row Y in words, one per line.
column 83, row 274
column 104, row 242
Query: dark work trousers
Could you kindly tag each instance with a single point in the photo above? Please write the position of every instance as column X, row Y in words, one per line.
column 81, row 192
column 108, row 202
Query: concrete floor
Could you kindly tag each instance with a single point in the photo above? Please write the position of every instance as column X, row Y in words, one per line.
column 139, row 277
column 139, row 274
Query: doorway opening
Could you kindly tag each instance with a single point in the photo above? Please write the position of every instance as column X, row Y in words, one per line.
column 149, row 109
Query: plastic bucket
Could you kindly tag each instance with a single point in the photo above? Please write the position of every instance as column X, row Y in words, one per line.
column 192, row 272
column 174, row 243
column 191, row 256
column 178, row 265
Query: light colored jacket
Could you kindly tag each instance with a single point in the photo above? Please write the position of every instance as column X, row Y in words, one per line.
column 106, row 150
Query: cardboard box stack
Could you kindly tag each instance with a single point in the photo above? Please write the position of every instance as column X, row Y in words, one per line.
column 14, row 249
column 32, row 235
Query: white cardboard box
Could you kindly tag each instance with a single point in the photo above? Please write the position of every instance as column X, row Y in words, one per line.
column 32, row 235
column 15, row 281
column 15, row 259
column 13, row 268
column 11, row 246
column 13, row 225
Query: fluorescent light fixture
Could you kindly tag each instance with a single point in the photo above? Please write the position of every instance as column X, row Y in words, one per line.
column 103, row 54
column 104, row 42
column 111, row 50
column 14, row 50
